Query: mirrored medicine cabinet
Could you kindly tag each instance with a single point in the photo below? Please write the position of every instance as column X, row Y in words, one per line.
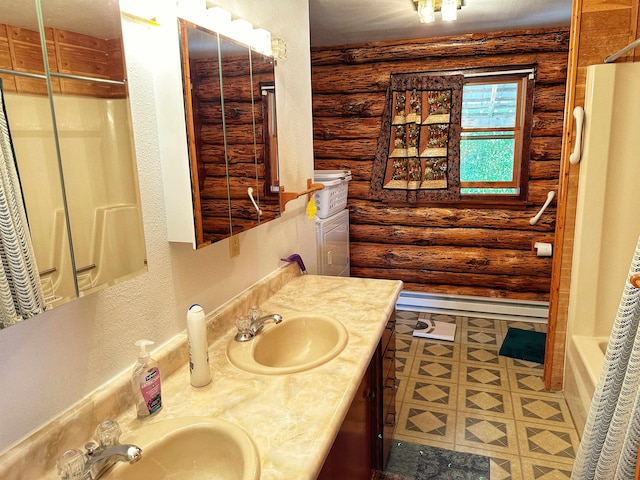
column 70, row 130
column 229, row 97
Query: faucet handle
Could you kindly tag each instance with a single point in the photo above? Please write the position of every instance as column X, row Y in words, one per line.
column 243, row 323
column 108, row 433
column 255, row 313
column 71, row 464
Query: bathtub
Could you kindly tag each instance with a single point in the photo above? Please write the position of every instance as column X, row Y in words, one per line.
column 585, row 356
column 606, row 228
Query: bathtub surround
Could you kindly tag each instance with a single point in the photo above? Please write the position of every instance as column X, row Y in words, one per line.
column 609, row 446
column 292, row 422
column 607, row 224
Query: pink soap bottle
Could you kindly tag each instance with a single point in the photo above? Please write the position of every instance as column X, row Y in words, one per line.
column 145, row 382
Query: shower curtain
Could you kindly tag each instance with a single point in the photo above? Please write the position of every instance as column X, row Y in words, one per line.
column 21, row 294
column 609, row 446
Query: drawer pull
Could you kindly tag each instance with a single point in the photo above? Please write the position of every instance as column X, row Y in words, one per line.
column 392, row 383
column 391, row 419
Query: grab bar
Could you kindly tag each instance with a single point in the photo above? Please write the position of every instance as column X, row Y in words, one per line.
column 612, row 58
column 578, row 114
column 250, row 193
column 550, row 196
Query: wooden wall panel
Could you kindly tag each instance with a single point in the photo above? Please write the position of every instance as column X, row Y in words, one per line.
column 68, row 53
column 455, row 249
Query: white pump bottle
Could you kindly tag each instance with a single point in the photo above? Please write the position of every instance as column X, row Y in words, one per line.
column 198, row 346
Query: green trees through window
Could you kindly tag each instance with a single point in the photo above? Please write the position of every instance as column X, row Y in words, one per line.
column 491, row 135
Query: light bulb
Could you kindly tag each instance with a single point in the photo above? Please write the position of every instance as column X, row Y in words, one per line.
column 449, row 10
column 218, row 19
column 426, row 13
column 261, row 41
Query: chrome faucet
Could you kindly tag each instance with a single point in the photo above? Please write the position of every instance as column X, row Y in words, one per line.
column 73, row 464
column 250, row 325
column 257, row 324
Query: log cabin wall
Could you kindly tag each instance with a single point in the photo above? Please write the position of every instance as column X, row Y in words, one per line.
column 598, row 29
column 451, row 249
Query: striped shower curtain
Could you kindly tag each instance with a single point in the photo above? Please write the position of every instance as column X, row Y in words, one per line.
column 609, row 445
column 21, row 294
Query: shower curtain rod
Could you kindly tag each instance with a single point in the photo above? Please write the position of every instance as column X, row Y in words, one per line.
column 61, row 75
column 612, row 58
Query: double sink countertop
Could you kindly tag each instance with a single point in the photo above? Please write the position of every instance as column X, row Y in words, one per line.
column 292, row 419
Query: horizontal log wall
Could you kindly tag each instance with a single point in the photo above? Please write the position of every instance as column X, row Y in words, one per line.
column 454, row 249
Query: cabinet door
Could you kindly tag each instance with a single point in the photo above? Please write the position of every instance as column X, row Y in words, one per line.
column 351, row 456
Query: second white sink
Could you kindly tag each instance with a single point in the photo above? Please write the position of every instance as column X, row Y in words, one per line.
column 190, row 448
column 299, row 343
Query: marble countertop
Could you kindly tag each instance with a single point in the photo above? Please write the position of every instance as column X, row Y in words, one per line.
column 292, row 419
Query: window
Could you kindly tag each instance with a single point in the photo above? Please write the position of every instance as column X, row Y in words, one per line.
column 492, row 134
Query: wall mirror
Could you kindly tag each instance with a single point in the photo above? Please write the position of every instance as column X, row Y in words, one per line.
column 70, row 130
column 229, row 93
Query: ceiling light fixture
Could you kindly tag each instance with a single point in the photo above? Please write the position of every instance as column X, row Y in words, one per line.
column 427, row 9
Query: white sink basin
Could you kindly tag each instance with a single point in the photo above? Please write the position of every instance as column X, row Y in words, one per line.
column 189, row 448
column 299, row 343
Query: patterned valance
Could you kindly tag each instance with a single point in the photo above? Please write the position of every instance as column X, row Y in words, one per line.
column 418, row 152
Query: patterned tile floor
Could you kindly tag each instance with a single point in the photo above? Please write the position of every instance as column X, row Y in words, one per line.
column 463, row 396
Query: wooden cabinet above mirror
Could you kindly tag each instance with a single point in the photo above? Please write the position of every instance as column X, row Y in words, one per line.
column 230, row 116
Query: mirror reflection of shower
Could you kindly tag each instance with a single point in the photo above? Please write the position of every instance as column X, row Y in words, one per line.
column 72, row 137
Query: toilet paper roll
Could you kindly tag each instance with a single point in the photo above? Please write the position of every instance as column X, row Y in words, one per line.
column 543, row 249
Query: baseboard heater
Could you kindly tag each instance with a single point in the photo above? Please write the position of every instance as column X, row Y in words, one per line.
column 496, row 308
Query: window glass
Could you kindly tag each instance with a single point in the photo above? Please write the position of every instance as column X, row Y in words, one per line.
column 491, row 105
column 490, row 139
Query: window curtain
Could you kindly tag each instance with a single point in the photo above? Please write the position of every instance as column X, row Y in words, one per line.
column 21, row 294
column 609, row 445
column 418, row 152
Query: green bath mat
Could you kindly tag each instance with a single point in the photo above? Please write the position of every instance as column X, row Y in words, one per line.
column 524, row 345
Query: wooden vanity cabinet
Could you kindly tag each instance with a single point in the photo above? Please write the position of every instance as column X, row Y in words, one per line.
column 362, row 445
column 388, row 386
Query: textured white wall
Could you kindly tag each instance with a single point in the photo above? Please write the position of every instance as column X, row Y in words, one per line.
column 52, row 361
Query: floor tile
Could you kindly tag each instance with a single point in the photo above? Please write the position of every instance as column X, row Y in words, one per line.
column 551, row 443
column 481, row 337
column 406, row 344
column 489, row 376
column 482, row 323
column 403, row 363
column 438, row 349
column 426, row 423
column 431, row 392
column 486, row 355
column 543, row 409
column 534, row 469
column 464, row 396
column 434, row 368
column 494, row 434
column 484, row 400
column 527, row 381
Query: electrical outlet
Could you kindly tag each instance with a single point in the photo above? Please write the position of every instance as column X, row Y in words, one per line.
column 234, row 246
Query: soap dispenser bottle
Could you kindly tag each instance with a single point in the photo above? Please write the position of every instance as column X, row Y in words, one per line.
column 198, row 346
column 145, row 382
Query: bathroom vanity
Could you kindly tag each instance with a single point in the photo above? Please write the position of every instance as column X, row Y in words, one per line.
column 292, row 419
